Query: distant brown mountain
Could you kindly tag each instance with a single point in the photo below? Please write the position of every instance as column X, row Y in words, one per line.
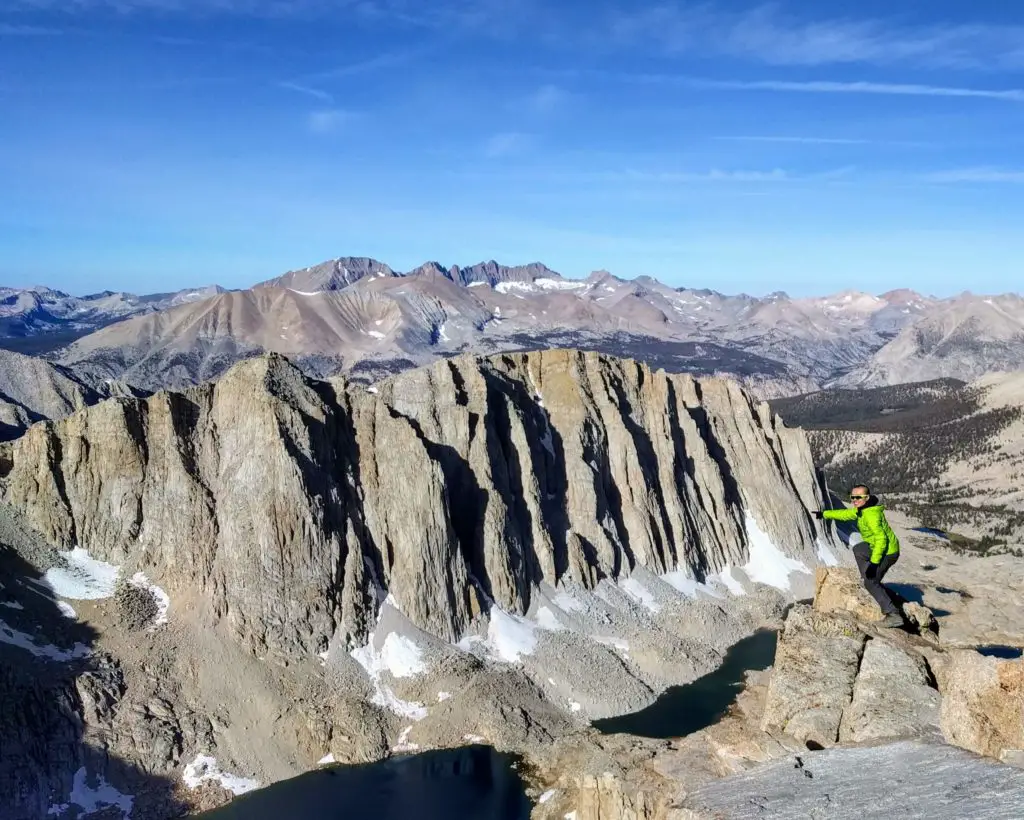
column 360, row 316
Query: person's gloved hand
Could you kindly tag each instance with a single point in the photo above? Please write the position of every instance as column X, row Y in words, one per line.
column 818, row 514
column 871, row 571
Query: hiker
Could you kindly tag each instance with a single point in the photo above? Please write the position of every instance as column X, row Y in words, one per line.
column 877, row 553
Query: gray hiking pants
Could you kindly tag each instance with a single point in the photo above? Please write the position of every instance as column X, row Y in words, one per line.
column 862, row 554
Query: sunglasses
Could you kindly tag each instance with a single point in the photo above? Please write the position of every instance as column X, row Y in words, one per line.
column 859, row 497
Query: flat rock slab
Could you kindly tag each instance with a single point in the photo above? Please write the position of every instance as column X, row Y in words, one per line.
column 909, row 779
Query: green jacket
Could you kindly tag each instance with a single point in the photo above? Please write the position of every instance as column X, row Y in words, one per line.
column 873, row 527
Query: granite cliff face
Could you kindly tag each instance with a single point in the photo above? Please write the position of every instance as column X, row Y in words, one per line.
column 289, row 508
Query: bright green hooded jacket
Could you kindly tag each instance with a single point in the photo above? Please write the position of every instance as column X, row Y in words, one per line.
column 873, row 527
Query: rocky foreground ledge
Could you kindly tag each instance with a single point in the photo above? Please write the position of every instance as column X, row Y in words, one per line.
column 852, row 721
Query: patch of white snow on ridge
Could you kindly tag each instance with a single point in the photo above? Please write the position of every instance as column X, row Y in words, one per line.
column 443, row 696
column 442, row 335
column 91, row 799
column 163, row 600
column 506, row 287
column 13, row 637
column 401, row 656
column 403, row 659
column 638, row 592
column 304, row 292
column 376, row 334
column 511, row 637
column 731, row 583
column 67, row 610
column 546, row 619
column 544, row 798
column 11, row 604
column 371, row 389
column 477, row 284
column 690, row 587
column 567, row 603
column 825, row 555
column 403, row 744
column 768, row 564
column 204, row 769
column 326, row 760
column 83, row 579
column 554, row 284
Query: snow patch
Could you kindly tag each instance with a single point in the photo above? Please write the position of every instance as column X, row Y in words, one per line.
column 574, row 706
column 825, row 555
column 473, row 738
column 83, row 579
column 12, row 637
column 91, row 799
column 376, row 334
column 443, row 696
column 507, row 287
column 567, row 603
column 555, row 284
column 638, row 592
column 544, row 798
column 11, row 605
column 403, row 659
column 304, row 292
column 442, row 335
column 371, row 389
column 163, row 600
column 67, row 610
column 476, row 284
column 768, row 564
column 326, row 760
column 204, row 769
column 732, row 584
column 546, row 620
column 690, row 587
column 510, row 636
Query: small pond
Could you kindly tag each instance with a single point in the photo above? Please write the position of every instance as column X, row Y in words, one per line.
column 470, row 783
column 683, row 710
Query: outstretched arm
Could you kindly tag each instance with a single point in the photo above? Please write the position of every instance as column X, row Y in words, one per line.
column 840, row 515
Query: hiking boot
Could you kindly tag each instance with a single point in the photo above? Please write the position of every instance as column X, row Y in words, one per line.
column 890, row 621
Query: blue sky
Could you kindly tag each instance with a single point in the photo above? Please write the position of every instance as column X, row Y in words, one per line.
column 805, row 146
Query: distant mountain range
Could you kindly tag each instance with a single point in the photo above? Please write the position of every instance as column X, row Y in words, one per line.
column 360, row 316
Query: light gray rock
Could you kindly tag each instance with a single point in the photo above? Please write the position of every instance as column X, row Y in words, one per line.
column 909, row 779
column 983, row 704
column 812, row 683
column 892, row 697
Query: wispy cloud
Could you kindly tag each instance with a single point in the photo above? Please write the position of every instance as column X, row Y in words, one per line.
column 507, row 143
column 306, row 90
column 389, row 59
column 16, row 30
column 329, row 120
column 766, row 34
column 821, row 86
column 982, row 175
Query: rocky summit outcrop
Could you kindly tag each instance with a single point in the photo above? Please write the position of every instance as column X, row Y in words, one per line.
column 289, row 507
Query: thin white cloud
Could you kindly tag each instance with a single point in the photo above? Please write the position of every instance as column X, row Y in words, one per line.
column 306, row 90
column 766, row 34
column 329, row 120
column 982, row 175
column 831, row 87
